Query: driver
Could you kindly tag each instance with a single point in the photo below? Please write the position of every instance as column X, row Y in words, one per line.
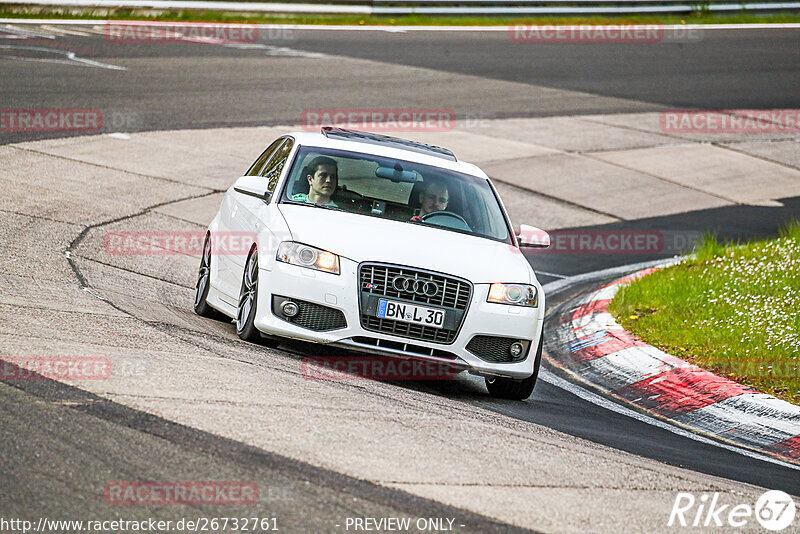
column 322, row 180
column 433, row 198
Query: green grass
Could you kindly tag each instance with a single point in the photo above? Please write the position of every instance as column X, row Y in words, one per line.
column 732, row 309
column 10, row 11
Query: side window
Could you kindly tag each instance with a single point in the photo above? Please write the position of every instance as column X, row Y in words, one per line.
column 255, row 169
column 275, row 165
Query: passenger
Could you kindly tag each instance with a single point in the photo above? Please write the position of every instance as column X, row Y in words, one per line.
column 433, row 198
column 322, row 183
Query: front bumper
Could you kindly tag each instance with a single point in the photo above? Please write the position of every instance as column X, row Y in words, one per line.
column 341, row 292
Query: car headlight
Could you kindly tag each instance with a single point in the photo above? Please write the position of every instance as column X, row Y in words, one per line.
column 514, row 294
column 305, row 256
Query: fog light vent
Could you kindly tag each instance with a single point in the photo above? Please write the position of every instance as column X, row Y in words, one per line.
column 308, row 314
column 497, row 349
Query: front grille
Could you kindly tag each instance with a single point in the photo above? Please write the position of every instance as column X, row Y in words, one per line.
column 495, row 349
column 403, row 329
column 453, row 294
column 312, row 316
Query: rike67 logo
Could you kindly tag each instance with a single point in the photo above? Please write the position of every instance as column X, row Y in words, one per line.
column 774, row 510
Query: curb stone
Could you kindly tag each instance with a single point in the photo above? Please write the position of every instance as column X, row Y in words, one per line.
column 600, row 351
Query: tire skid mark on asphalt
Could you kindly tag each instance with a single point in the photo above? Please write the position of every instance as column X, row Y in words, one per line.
column 70, row 250
column 249, row 456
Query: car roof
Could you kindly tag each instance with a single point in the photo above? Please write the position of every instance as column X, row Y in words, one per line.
column 379, row 145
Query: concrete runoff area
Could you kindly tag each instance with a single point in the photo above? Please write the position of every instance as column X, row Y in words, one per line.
column 100, row 437
column 734, row 177
column 136, row 311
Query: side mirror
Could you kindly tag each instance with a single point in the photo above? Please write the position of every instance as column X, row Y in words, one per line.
column 532, row 237
column 255, row 186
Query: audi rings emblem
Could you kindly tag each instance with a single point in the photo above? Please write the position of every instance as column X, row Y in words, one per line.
column 407, row 284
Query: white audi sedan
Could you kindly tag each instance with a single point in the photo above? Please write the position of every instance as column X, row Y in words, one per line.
column 378, row 245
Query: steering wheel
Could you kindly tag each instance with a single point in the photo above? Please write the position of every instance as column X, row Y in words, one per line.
column 443, row 213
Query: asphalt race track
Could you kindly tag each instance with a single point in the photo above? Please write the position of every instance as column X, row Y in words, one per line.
column 82, row 438
column 180, row 85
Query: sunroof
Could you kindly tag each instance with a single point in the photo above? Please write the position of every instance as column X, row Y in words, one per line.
column 384, row 140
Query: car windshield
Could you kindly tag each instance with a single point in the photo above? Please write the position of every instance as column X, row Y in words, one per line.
column 395, row 189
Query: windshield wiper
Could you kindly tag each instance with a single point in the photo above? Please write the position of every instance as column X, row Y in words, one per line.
column 457, row 230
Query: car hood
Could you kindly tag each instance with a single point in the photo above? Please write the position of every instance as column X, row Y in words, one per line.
column 363, row 238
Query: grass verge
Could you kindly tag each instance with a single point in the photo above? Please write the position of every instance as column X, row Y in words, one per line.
column 23, row 12
column 732, row 309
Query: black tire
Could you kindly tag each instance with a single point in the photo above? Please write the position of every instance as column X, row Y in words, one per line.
column 248, row 300
column 508, row 388
column 248, row 304
column 201, row 306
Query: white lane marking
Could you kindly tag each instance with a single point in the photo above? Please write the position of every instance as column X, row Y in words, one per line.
column 199, row 40
column 280, row 51
column 247, row 46
column 552, row 275
column 92, row 63
column 25, row 34
column 260, row 7
column 41, row 60
column 98, row 30
column 64, row 31
column 72, row 58
column 119, row 135
column 791, row 26
column 603, row 402
column 291, row 52
column 558, row 285
column 755, row 26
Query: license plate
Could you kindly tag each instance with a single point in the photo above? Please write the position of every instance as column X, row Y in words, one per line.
column 409, row 313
